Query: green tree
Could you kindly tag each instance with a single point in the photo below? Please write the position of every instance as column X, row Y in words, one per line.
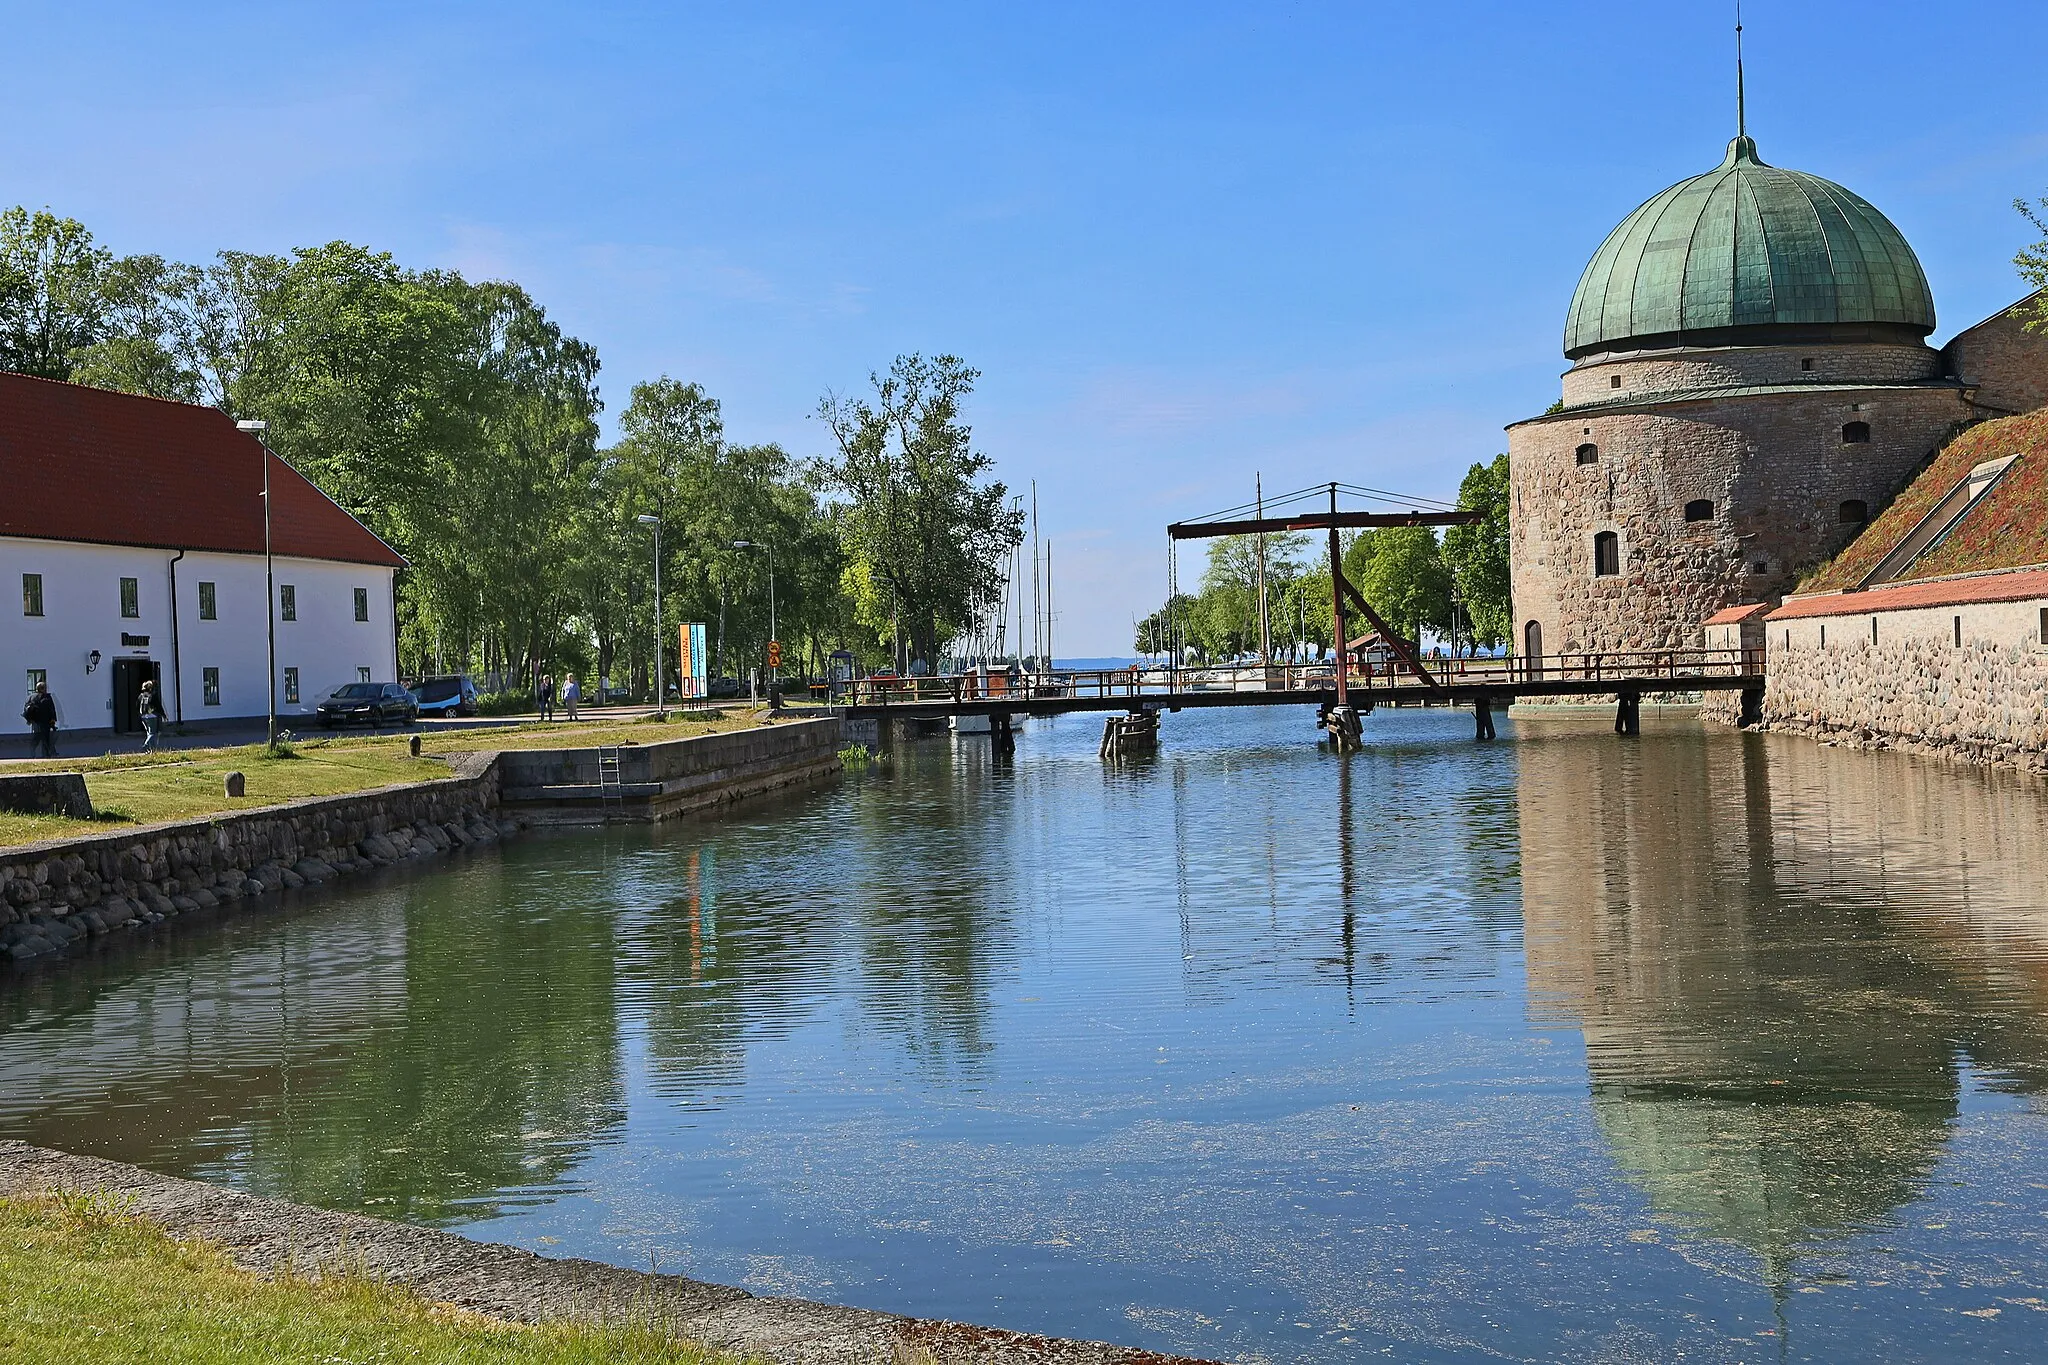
column 925, row 528
column 57, row 292
column 1400, row 570
column 1477, row 554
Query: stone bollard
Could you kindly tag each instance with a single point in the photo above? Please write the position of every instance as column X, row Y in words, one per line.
column 414, row 746
column 235, row 784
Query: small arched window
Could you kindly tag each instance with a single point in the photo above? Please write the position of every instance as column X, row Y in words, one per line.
column 1856, row 434
column 1854, row 512
column 1699, row 509
column 1606, row 554
column 1589, row 454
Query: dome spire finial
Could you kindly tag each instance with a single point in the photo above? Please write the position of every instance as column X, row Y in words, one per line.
column 1741, row 113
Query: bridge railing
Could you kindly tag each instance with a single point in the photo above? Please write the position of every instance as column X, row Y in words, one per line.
column 1375, row 673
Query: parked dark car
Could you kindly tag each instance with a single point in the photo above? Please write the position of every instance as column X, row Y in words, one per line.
column 455, row 695
column 364, row 703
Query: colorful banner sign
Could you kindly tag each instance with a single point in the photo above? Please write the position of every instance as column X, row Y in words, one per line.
column 691, row 680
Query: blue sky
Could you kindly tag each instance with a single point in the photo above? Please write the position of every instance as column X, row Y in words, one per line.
column 1183, row 242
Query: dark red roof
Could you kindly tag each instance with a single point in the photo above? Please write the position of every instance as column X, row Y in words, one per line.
column 86, row 464
column 1735, row 616
column 2018, row 585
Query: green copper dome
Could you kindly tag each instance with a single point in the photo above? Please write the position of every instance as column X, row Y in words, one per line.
column 1747, row 246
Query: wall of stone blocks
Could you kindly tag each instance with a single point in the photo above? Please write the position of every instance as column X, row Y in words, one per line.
column 1773, row 465
column 1912, row 686
column 2006, row 363
column 1651, row 373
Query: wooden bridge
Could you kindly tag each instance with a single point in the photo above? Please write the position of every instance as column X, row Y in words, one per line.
column 1479, row 682
column 1377, row 669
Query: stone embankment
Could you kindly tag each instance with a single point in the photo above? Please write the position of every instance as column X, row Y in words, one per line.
column 1981, row 702
column 55, row 893
column 268, row 1236
column 52, row 894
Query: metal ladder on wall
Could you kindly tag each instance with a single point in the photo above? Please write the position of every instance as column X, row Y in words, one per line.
column 608, row 785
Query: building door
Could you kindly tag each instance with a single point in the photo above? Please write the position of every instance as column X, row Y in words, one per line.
column 1532, row 647
column 129, row 676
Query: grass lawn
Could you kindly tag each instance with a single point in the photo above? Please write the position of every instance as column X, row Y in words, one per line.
column 186, row 784
column 85, row 1284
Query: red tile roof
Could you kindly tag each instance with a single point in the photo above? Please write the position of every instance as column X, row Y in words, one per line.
column 86, row 464
column 2020, row 585
column 1735, row 616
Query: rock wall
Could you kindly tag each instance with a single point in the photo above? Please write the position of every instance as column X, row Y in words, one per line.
column 1915, row 688
column 1772, row 465
column 659, row 781
column 54, row 893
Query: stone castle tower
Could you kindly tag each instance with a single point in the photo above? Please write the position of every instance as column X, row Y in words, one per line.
column 1750, row 383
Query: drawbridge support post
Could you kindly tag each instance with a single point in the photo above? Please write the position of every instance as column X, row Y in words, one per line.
column 1482, row 717
column 1122, row 735
column 1628, row 714
column 1345, row 729
column 1001, row 737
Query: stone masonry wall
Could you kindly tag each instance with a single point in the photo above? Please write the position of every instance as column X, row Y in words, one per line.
column 2007, row 364
column 1914, row 687
column 1649, row 373
column 52, row 894
column 1774, row 467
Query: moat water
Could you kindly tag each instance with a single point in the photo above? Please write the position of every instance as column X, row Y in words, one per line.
column 1564, row 1048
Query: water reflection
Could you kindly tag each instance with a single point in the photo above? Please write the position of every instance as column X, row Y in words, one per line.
column 1244, row 1048
column 1779, row 970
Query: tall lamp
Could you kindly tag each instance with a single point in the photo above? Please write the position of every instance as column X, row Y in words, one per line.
column 256, row 429
column 660, row 692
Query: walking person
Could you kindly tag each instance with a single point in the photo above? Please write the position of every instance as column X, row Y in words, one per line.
column 544, row 696
column 41, row 715
column 152, row 707
column 571, row 694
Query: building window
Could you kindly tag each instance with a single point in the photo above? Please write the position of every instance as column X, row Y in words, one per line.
column 1699, row 509
column 1613, row 381
column 1606, row 554
column 206, row 601
column 1823, row 635
column 287, row 602
column 1589, row 454
column 1959, row 632
column 1761, row 566
column 291, row 686
column 1806, row 364
column 209, row 686
column 31, row 594
column 1856, row 434
column 363, row 607
column 1873, row 630
column 362, row 675
column 2044, row 625
column 40, row 677
column 131, row 598
column 1854, row 512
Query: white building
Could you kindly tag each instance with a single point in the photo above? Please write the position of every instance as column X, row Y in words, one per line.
column 132, row 529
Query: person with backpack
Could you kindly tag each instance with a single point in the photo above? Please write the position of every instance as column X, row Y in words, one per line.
column 41, row 715
column 152, row 708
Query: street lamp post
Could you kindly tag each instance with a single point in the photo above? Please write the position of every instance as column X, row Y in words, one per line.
column 256, row 429
column 769, row 546
column 660, row 693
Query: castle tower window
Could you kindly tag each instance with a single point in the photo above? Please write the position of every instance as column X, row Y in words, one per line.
column 1606, row 554
column 1806, row 364
column 1854, row 512
column 1856, row 434
column 1613, row 381
column 1699, row 509
column 1588, row 454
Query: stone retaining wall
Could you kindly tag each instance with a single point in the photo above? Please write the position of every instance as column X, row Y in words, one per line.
column 659, row 781
column 56, row 892
column 1984, row 700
